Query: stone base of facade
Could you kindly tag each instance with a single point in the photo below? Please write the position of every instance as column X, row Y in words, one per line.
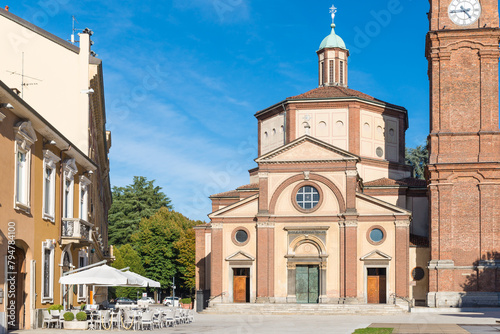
column 265, row 300
column 216, row 300
column 351, row 301
column 463, row 299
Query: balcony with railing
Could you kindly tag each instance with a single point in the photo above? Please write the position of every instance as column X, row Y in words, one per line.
column 77, row 231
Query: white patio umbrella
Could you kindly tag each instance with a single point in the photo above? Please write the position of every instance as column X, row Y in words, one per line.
column 147, row 281
column 102, row 275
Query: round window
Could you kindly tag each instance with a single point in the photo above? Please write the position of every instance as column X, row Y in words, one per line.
column 417, row 273
column 376, row 235
column 241, row 236
column 380, row 152
column 307, row 197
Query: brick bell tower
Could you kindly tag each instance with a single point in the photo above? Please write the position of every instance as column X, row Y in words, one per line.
column 464, row 165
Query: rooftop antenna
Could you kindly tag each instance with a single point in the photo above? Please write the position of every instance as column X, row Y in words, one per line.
column 74, row 30
column 24, row 76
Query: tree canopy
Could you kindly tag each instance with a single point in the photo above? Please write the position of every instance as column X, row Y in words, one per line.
column 139, row 200
column 126, row 256
column 165, row 242
column 418, row 158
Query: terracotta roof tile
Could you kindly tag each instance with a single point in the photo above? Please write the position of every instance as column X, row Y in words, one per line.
column 332, row 91
column 236, row 193
column 253, row 186
column 407, row 182
column 232, row 193
column 419, row 241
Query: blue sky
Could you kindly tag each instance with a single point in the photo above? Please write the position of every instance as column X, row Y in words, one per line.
column 183, row 79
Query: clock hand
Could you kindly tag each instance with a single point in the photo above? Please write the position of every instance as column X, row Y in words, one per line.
column 466, row 11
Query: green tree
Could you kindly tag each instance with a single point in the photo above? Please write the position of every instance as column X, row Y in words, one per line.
column 186, row 248
column 132, row 203
column 156, row 240
column 126, row 256
column 418, row 158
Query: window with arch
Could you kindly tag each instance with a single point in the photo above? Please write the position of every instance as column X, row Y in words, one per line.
column 332, row 66
column 341, row 72
column 69, row 172
column 82, row 262
column 25, row 136
column 50, row 161
column 48, row 271
column 84, row 198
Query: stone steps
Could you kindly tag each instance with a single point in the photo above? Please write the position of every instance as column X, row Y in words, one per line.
column 309, row 309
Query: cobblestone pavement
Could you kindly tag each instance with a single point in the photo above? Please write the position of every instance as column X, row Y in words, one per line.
column 342, row 324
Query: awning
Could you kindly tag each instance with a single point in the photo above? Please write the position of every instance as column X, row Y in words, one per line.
column 103, row 275
column 147, row 281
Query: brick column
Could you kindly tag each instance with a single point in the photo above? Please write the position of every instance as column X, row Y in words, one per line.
column 488, row 278
column 200, row 257
column 342, row 259
column 351, row 258
column 216, row 261
column 402, row 258
column 351, row 184
column 265, row 261
column 354, row 128
column 263, row 193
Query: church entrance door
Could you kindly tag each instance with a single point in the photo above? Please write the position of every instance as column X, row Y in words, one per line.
column 376, row 285
column 241, row 285
column 307, row 284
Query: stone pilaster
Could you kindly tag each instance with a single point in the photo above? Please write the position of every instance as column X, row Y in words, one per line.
column 217, row 254
column 265, row 261
column 402, row 257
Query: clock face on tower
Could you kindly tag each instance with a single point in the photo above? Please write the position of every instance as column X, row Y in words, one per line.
column 464, row 12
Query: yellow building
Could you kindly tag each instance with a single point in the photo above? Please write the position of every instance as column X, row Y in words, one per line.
column 54, row 190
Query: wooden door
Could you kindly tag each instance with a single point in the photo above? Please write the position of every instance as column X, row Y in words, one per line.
column 373, row 285
column 241, row 285
column 382, row 290
column 376, row 286
column 240, row 289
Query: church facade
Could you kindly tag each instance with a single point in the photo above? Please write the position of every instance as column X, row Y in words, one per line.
column 332, row 215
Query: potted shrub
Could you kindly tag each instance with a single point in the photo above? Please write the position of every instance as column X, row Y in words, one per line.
column 79, row 323
column 56, row 307
column 186, row 303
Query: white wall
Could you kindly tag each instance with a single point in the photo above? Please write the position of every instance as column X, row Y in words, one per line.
column 55, row 77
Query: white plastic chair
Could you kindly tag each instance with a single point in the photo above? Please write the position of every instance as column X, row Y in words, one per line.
column 147, row 319
column 190, row 316
column 169, row 317
column 48, row 319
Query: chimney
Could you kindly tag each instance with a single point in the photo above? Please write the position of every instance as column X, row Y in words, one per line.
column 7, row 8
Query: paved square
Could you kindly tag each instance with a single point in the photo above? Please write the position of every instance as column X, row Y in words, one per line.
column 428, row 323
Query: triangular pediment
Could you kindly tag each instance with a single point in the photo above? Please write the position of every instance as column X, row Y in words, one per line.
column 376, row 255
column 240, row 256
column 306, row 149
column 368, row 205
column 247, row 207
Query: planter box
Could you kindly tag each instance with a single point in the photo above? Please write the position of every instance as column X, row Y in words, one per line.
column 187, row 306
column 80, row 325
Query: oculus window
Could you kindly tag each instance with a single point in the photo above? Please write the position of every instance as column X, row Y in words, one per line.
column 307, row 197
